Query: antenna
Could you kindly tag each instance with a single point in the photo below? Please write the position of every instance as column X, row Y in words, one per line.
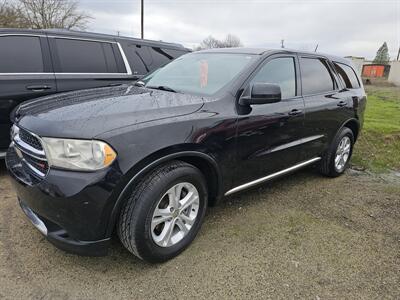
column 282, row 44
column 316, row 48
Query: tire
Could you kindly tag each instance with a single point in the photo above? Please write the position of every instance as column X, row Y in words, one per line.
column 328, row 166
column 166, row 240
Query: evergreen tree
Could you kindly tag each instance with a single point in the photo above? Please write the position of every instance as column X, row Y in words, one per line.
column 382, row 56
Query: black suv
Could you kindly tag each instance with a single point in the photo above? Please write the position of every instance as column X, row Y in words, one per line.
column 36, row 63
column 148, row 159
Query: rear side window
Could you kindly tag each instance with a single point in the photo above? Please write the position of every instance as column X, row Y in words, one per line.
column 160, row 57
column 136, row 61
column 280, row 71
column 77, row 56
column 144, row 53
column 20, row 54
column 348, row 75
column 174, row 53
column 315, row 75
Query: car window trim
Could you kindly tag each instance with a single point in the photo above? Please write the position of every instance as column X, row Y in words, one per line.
column 39, row 36
column 333, row 76
column 352, row 69
column 121, row 50
column 270, row 58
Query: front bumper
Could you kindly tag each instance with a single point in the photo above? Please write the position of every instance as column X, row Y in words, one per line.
column 59, row 237
column 72, row 209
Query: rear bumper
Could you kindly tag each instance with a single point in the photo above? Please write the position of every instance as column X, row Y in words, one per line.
column 59, row 237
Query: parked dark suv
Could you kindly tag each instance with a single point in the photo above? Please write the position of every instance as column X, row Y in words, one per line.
column 148, row 159
column 35, row 63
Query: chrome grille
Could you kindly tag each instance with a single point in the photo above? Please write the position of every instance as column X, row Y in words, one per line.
column 29, row 149
column 30, row 139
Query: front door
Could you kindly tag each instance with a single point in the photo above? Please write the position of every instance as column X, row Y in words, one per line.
column 269, row 136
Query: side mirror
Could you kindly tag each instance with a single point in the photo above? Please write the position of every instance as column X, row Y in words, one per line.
column 261, row 93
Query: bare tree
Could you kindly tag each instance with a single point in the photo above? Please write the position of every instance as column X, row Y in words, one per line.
column 9, row 16
column 211, row 42
column 232, row 41
column 40, row 14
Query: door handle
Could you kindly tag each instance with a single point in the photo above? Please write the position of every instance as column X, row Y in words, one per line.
column 295, row 112
column 38, row 88
column 342, row 103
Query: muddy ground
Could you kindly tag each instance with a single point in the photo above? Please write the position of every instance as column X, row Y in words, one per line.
column 303, row 236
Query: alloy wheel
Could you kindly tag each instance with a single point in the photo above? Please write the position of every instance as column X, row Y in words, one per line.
column 342, row 153
column 175, row 214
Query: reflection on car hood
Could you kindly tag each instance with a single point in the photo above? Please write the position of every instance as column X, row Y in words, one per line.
column 88, row 113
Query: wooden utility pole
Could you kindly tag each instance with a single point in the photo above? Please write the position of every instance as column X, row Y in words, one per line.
column 142, row 17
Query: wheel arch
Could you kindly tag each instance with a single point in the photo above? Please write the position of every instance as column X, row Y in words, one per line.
column 203, row 161
column 354, row 126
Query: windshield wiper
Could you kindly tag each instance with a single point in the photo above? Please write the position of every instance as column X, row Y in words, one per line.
column 162, row 88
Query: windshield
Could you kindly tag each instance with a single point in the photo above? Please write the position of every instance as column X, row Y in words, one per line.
column 198, row 73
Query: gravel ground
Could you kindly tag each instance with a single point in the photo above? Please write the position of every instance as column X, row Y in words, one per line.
column 303, row 236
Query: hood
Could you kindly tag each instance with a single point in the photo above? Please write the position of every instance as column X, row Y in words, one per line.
column 88, row 113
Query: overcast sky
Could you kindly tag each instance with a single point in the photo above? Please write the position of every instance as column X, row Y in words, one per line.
column 352, row 27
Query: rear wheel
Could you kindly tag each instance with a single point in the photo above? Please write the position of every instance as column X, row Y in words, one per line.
column 337, row 158
column 164, row 212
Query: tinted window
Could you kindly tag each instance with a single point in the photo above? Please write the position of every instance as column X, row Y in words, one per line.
column 145, row 55
column 348, row 75
column 174, row 53
column 280, row 71
column 110, row 58
column 20, row 54
column 136, row 62
column 78, row 56
column 160, row 57
column 316, row 77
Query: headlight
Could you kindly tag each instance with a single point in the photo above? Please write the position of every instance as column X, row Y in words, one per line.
column 80, row 155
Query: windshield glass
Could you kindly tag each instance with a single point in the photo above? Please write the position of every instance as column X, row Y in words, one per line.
column 198, row 73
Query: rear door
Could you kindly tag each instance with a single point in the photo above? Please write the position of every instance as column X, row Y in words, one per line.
column 81, row 63
column 327, row 104
column 25, row 72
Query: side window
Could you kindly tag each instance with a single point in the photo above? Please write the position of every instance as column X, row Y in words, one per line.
column 315, row 75
column 348, row 75
column 20, row 54
column 160, row 57
column 279, row 71
column 174, row 53
column 135, row 60
column 145, row 55
column 78, row 56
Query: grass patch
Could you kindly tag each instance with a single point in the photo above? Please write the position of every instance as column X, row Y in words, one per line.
column 378, row 147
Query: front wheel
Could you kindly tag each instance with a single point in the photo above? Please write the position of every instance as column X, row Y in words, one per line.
column 164, row 212
column 337, row 158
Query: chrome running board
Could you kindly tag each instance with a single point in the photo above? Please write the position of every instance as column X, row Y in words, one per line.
column 271, row 176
